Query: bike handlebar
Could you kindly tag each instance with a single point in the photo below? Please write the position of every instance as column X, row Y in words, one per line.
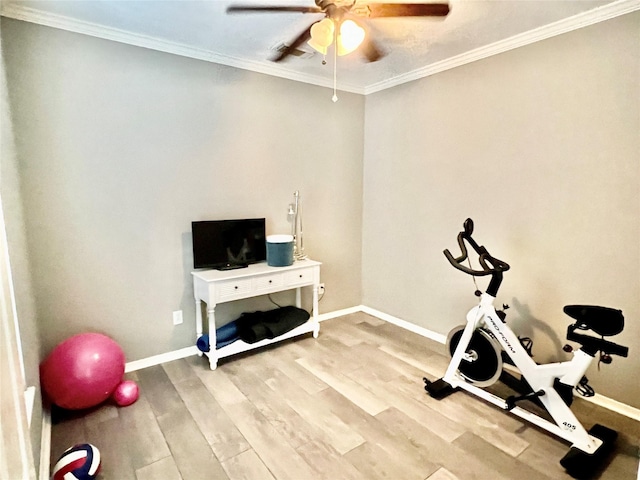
column 490, row 265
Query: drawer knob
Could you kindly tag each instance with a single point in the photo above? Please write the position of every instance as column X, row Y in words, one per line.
column 270, row 281
column 236, row 287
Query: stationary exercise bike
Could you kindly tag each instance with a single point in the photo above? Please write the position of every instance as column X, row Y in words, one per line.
column 486, row 350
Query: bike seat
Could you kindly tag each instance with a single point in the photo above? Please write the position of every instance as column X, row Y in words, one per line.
column 602, row 320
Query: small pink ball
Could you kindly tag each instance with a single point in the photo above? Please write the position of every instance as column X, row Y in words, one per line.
column 126, row 393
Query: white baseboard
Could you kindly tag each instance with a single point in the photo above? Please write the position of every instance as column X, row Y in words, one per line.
column 339, row 313
column 162, row 358
column 412, row 327
column 45, row 444
column 615, row 406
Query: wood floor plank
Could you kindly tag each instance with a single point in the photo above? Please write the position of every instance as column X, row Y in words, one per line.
column 457, row 408
column 442, row 453
column 336, row 355
column 386, row 437
column 374, row 463
column 341, row 383
column 272, row 448
column 164, row 469
column 361, row 317
column 424, row 412
column 378, row 363
column 443, row 474
column 545, row 458
column 487, row 453
column 285, row 360
column 105, row 411
column 159, row 390
column 247, row 466
column 146, row 442
column 364, row 330
column 315, row 412
column 115, row 453
column 220, row 386
column 178, row 370
column 589, row 414
column 431, row 365
column 66, row 434
column 276, row 453
column 271, row 404
column 341, row 332
column 327, row 462
column 221, row 434
column 190, row 450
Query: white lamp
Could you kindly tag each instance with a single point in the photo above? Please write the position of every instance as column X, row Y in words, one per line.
column 322, row 35
column 350, row 36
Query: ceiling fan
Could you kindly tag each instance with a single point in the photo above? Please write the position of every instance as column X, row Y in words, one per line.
column 343, row 23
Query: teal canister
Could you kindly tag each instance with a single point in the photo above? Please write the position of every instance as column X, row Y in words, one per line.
column 279, row 250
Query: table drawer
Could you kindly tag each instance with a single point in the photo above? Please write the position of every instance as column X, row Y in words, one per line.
column 268, row 282
column 299, row 277
column 233, row 288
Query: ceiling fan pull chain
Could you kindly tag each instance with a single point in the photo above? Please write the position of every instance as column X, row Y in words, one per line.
column 335, row 66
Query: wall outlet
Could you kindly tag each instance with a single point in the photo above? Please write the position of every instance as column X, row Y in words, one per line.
column 321, row 289
column 177, row 317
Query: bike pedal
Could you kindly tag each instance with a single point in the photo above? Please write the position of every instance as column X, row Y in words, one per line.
column 438, row 389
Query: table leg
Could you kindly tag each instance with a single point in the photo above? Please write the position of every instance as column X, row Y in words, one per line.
column 314, row 311
column 198, row 322
column 211, row 320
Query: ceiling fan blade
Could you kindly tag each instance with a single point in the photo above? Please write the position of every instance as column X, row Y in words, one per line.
column 300, row 39
column 259, row 8
column 370, row 50
column 381, row 10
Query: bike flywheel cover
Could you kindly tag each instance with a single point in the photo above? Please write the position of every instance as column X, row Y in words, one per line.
column 482, row 363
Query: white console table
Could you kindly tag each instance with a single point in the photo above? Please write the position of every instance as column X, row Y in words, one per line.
column 217, row 286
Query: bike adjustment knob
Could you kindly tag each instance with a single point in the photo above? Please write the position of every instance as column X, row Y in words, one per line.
column 567, row 348
column 477, row 293
column 606, row 358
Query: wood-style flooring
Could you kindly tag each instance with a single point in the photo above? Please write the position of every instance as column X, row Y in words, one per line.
column 348, row 405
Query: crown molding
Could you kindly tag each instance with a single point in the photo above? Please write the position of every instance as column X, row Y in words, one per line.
column 600, row 14
column 27, row 14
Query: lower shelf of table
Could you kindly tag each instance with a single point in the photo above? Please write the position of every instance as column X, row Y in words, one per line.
column 240, row 346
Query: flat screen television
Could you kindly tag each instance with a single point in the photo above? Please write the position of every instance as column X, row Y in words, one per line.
column 228, row 244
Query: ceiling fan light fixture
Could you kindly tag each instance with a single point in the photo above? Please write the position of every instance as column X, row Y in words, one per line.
column 350, row 36
column 322, row 35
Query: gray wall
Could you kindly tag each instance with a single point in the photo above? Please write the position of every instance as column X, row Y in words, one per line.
column 19, row 259
column 540, row 147
column 120, row 148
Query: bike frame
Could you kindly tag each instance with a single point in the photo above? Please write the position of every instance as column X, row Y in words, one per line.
column 539, row 377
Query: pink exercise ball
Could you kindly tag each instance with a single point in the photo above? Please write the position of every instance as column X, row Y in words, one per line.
column 126, row 393
column 83, row 371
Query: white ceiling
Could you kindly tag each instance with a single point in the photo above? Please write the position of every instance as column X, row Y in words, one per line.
column 415, row 47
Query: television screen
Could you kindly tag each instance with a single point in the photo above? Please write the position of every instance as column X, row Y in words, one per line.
column 226, row 244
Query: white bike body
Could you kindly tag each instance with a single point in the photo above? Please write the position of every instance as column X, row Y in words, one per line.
column 539, row 377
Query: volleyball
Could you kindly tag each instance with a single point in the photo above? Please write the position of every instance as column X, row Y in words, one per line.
column 80, row 462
